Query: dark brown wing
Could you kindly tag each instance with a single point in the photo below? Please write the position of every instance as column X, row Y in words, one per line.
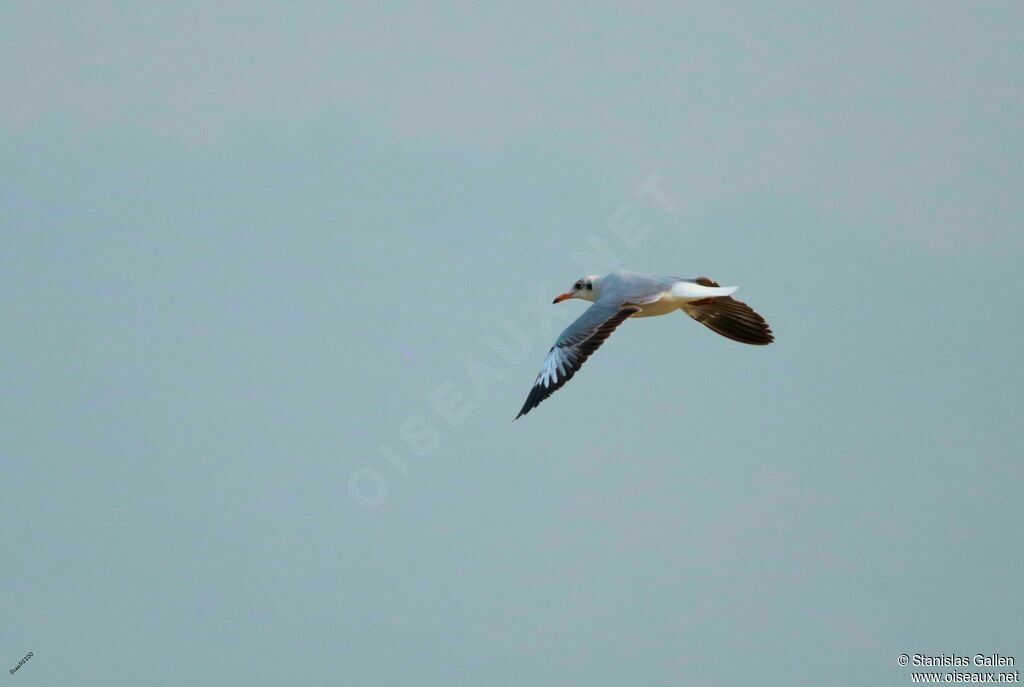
column 729, row 317
column 579, row 340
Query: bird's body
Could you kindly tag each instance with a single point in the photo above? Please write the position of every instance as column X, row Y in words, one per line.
column 622, row 295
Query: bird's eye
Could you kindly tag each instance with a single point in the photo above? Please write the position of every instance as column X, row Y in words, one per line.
column 578, row 285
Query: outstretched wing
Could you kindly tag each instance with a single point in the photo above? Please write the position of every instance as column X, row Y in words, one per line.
column 729, row 317
column 579, row 340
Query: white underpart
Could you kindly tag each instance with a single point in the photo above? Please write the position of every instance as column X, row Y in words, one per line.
column 678, row 296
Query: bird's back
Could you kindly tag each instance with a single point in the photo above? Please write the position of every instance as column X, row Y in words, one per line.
column 633, row 287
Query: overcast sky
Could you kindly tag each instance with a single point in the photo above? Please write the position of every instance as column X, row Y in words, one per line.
column 276, row 280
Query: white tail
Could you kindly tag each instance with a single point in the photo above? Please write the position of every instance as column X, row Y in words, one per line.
column 690, row 291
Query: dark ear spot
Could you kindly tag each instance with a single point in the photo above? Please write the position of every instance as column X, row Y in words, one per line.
column 590, row 287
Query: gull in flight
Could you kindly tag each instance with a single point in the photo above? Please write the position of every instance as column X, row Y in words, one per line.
column 621, row 295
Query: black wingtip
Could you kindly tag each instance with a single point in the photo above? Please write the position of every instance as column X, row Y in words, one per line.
column 527, row 407
column 533, row 400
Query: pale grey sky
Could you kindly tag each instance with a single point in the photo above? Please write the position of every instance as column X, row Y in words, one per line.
column 248, row 253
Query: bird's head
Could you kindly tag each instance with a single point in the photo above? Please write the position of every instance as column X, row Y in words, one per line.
column 586, row 288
